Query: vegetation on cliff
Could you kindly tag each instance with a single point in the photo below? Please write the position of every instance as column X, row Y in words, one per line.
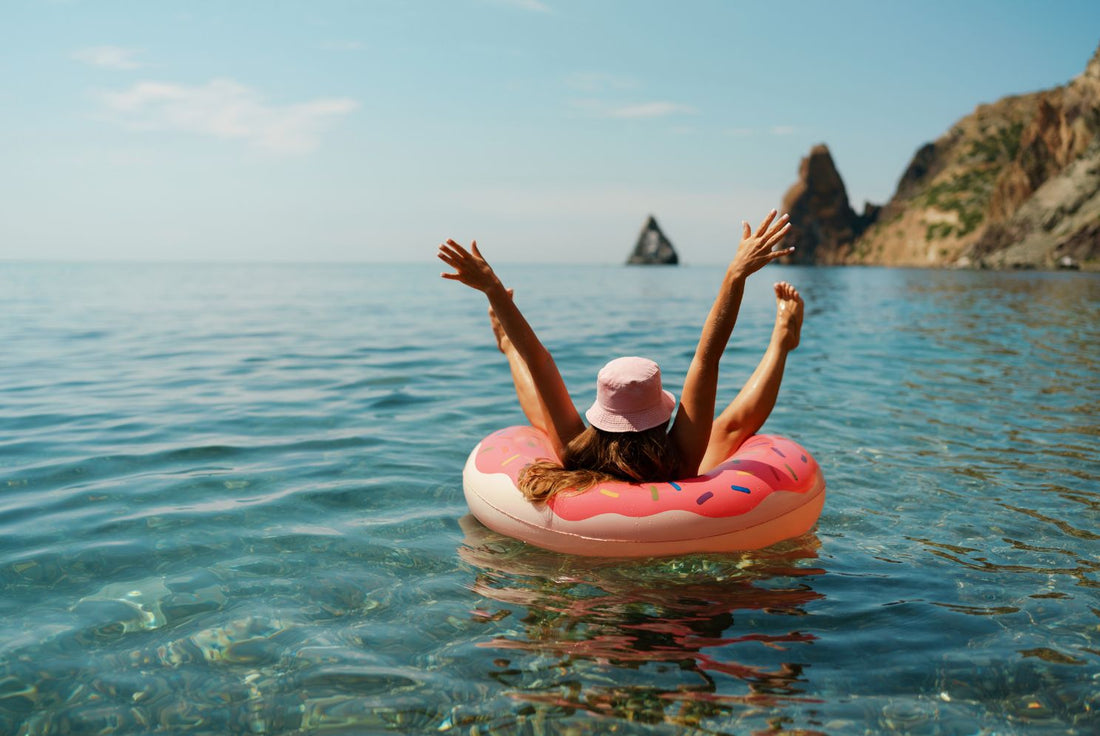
column 1014, row 184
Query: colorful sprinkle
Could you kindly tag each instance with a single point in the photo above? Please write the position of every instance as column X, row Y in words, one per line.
column 742, row 489
column 505, row 462
column 803, row 458
column 606, row 492
column 788, row 467
column 777, row 452
column 485, row 450
column 775, row 473
column 675, row 486
column 704, row 498
column 744, row 472
column 653, row 492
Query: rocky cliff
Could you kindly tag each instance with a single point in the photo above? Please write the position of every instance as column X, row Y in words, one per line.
column 823, row 225
column 1013, row 184
column 1057, row 226
column 653, row 248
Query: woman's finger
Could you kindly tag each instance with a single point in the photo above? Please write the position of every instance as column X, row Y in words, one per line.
column 767, row 221
column 778, row 225
column 453, row 257
column 779, row 234
column 457, row 248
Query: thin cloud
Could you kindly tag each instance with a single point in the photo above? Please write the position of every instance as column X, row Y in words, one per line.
column 643, row 110
column 225, row 109
column 774, row 130
column 593, row 82
column 531, row 5
column 342, row 45
column 109, row 57
column 659, row 109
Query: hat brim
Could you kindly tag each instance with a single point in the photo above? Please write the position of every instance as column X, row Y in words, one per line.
column 639, row 421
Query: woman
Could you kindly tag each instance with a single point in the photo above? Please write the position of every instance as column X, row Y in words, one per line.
column 629, row 437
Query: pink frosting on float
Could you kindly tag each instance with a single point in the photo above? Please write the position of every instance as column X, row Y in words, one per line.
column 762, row 465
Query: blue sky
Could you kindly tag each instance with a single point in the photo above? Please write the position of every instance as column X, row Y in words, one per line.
column 547, row 129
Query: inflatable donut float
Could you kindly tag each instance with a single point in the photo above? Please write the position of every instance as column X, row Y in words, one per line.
column 769, row 490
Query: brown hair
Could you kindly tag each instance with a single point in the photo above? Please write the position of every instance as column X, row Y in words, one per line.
column 596, row 456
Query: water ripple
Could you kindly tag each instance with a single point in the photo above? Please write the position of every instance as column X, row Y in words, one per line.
column 230, row 502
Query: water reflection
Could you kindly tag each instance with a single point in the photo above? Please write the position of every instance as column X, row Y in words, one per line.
column 682, row 641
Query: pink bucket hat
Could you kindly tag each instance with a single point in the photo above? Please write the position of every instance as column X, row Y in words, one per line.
column 629, row 397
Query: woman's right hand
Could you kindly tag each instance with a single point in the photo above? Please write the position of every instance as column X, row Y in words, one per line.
column 755, row 250
column 469, row 265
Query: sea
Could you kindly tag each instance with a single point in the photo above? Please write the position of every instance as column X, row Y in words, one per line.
column 231, row 503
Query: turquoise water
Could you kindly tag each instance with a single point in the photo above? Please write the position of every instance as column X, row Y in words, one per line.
column 230, row 502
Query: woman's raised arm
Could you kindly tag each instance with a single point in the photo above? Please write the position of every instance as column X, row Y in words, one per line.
column 691, row 430
column 473, row 270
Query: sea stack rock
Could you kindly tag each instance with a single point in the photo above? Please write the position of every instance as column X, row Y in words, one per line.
column 653, row 248
column 823, row 224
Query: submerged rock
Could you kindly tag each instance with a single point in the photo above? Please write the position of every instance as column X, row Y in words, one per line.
column 653, row 248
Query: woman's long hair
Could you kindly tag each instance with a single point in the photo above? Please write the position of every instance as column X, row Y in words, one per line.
column 595, row 456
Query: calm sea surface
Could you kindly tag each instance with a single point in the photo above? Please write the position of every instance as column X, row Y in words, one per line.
column 231, row 503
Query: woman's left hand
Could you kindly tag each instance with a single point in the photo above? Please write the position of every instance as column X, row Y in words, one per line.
column 469, row 265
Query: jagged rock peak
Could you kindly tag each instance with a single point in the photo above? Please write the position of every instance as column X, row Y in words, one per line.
column 653, row 248
column 1092, row 69
column 823, row 223
column 819, row 168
